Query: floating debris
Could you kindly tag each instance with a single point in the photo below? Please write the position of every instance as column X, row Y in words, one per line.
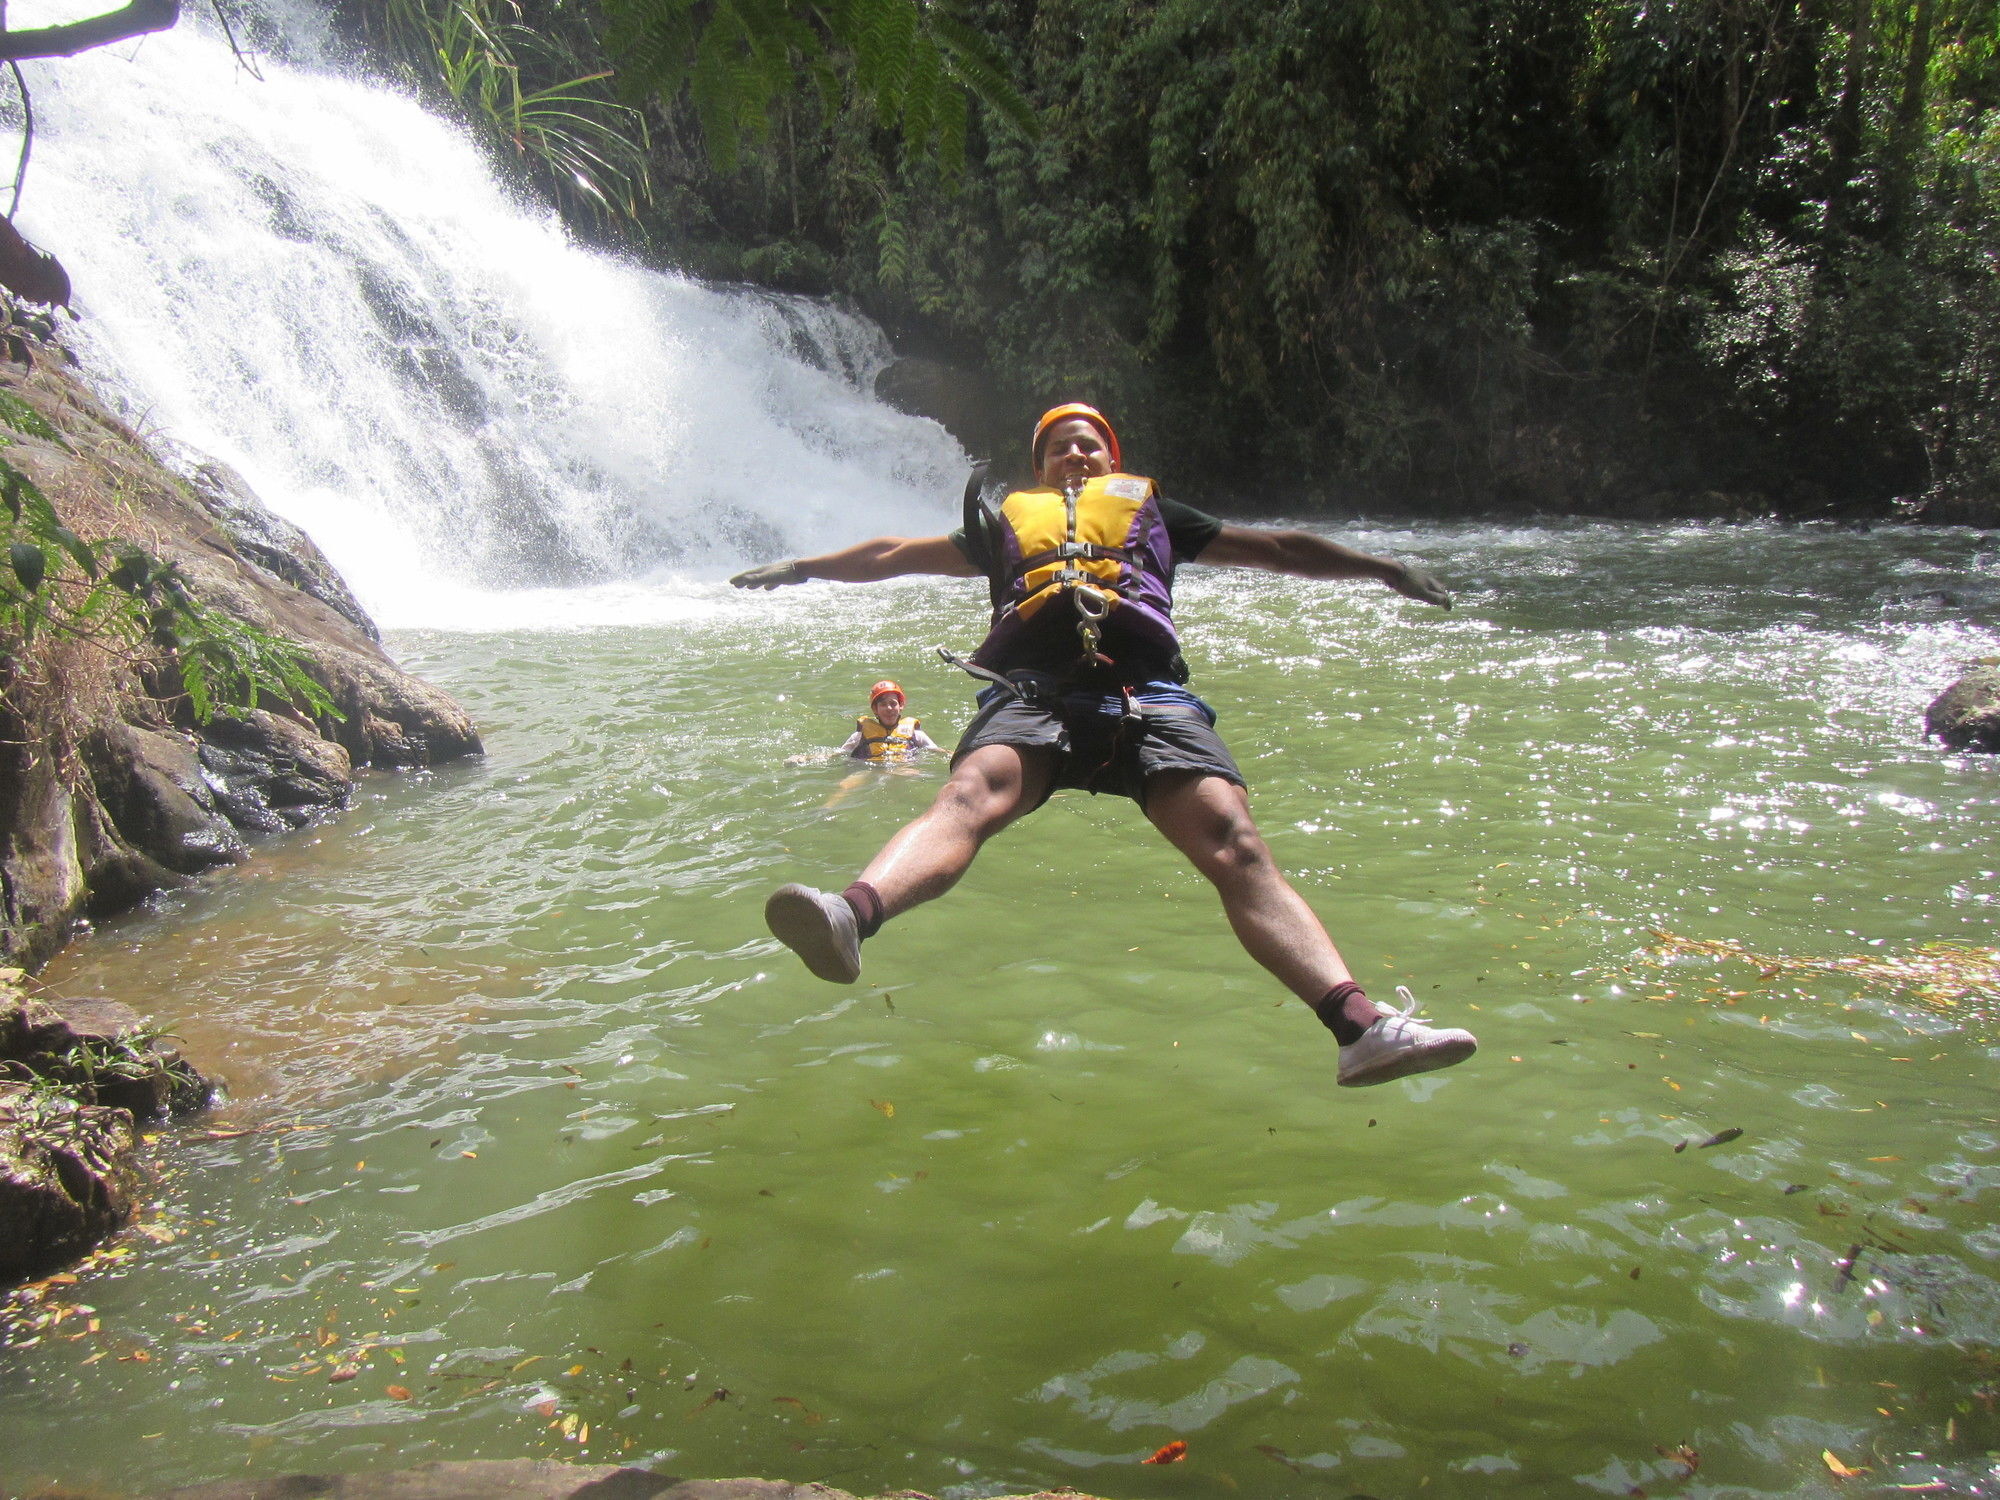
column 1940, row 975
column 1171, row 1453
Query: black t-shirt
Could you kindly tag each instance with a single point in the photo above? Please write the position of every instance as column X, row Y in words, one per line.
column 1052, row 647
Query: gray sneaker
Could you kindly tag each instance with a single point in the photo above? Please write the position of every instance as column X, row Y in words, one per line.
column 1399, row 1044
column 819, row 927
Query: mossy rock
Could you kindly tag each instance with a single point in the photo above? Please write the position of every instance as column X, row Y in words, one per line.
column 1966, row 715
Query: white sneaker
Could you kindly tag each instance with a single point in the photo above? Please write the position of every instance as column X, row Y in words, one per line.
column 818, row 926
column 1399, row 1044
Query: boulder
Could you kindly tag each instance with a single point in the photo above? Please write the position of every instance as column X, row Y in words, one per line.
column 1966, row 715
column 66, row 1179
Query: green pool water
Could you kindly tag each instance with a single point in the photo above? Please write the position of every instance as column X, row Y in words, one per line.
column 535, row 1133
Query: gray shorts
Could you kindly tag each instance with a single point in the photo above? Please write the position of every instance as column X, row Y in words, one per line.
column 1098, row 749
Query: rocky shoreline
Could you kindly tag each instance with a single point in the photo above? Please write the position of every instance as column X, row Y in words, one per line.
column 112, row 789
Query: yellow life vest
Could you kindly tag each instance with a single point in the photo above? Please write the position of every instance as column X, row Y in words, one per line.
column 1060, row 542
column 1105, row 546
column 881, row 743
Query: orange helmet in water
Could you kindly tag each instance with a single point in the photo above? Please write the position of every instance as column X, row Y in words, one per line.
column 886, row 687
column 1063, row 413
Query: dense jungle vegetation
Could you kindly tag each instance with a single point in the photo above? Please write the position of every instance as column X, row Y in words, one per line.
column 1610, row 255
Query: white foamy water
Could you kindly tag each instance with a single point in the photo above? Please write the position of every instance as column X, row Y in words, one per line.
column 314, row 280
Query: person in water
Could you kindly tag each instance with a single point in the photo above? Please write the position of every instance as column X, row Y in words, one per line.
column 1087, row 691
column 885, row 734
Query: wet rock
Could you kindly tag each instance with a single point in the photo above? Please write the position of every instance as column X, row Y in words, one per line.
column 956, row 398
column 273, row 543
column 151, row 784
column 1966, row 715
column 66, row 1179
column 269, row 774
column 102, row 1051
column 526, row 1479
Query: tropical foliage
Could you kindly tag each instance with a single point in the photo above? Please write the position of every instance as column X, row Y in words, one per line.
column 1447, row 250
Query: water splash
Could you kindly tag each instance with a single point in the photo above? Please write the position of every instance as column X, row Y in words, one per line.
column 315, row 280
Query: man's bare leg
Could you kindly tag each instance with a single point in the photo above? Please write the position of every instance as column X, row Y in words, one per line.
column 989, row 789
column 1208, row 819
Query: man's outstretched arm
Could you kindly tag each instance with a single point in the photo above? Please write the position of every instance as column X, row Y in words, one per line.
column 1305, row 555
column 866, row 562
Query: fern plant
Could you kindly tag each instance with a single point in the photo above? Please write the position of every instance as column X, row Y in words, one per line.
column 486, row 58
column 119, row 597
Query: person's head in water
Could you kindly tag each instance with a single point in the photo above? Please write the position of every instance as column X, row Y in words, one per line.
column 885, row 702
column 1074, row 442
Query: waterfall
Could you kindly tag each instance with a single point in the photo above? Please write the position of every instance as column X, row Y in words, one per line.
column 311, row 278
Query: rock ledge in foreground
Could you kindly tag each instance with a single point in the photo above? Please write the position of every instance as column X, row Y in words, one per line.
column 527, row 1479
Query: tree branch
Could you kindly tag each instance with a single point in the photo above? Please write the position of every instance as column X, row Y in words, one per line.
column 80, row 36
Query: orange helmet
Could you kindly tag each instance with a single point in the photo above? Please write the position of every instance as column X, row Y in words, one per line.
column 887, row 687
column 1063, row 413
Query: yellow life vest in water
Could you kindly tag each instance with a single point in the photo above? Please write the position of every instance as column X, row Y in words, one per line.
column 881, row 743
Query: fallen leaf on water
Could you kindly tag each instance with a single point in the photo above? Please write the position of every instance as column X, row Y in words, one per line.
column 1278, row 1456
column 1172, row 1453
column 1840, row 1470
column 574, row 1370
column 805, row 1411
column 544, row 1408
column 469, row 1155
column 1634, row 1272
column 885, row 1106
column 399, row 1392
column 1679, row 1147
column 342, row 1372
column 1722, row 1137
column 1885, row 1158
column 1688, row 1458
column 720, row 1393
column 1517, row 1350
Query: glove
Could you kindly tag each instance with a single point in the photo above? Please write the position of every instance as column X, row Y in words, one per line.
column 770, row 576
column 1415, row 583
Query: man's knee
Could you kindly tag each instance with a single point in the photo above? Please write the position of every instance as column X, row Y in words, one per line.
column 1235, row 848
column 984, row 790
column 1210, row 820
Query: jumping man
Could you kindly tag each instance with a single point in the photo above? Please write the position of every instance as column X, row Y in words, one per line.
column 1086, row 692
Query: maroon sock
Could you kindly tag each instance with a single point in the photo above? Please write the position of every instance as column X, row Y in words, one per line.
column 867, row 904
column 1346, row 1011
